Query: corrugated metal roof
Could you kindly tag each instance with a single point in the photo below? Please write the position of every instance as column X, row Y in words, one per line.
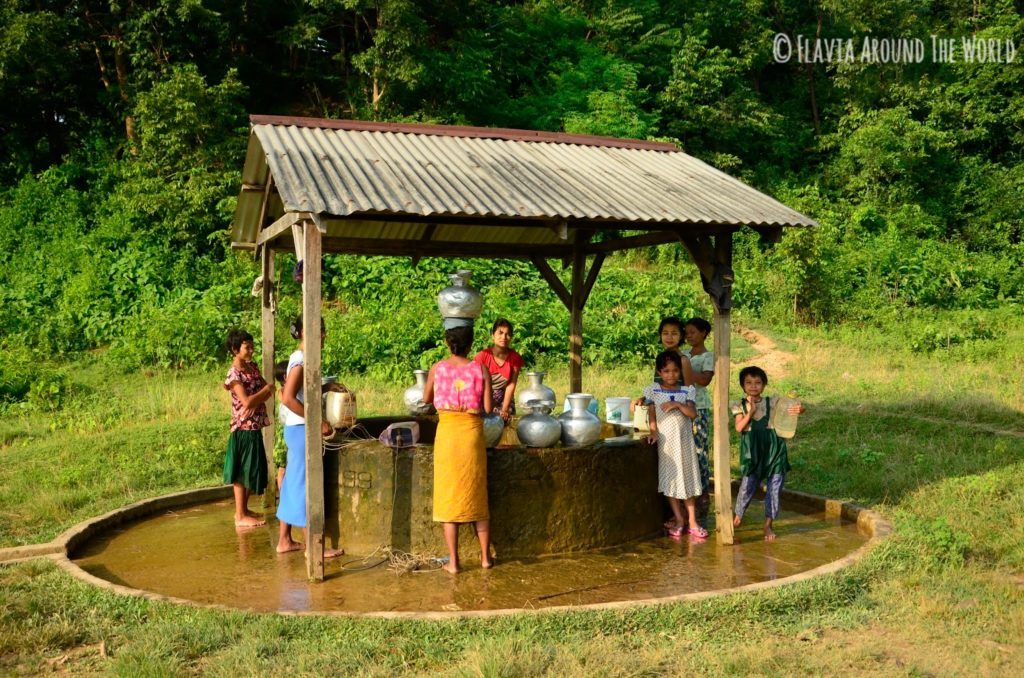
column 351, row 168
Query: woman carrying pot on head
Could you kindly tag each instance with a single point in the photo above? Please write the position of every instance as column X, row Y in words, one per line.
column 460, row 391
column 503, row 364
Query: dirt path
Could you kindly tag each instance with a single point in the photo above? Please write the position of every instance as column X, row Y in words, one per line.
column 772, row 359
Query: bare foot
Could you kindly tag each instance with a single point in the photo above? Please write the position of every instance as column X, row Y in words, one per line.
column 249, row 521
column 769, row 534
column 486, row 564
column 451, row 568
column 253, row 514
column 736, row 521
column 290, row 546
column 333, row 553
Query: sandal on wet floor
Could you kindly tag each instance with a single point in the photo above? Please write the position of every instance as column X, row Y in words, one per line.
column 676, row 532
column 699, row 533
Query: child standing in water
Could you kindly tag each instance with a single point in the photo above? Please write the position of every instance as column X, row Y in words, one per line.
column 671, row 421
column 702, row 364
column 245, row 463
column 291, row 509
column 763, row 454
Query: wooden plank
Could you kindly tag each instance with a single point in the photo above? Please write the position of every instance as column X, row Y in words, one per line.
column 595, row 268
column 553, row 281
column 634, row 241
column 579, row 261
column 720, row 408
column 280, row 226
column 395, row 247
column 265, row 203
column 311, row 389
column 267, row 339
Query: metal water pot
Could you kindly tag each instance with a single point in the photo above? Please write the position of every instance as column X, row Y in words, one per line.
column 413, row 396
column 534, row 390
column 460, row 300
column 579, row 427
column 539, row 428
column 493, row 426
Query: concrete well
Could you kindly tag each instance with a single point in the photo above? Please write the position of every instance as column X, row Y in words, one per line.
column 542, row 500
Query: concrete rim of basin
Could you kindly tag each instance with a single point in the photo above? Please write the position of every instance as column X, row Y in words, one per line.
column 60, row 550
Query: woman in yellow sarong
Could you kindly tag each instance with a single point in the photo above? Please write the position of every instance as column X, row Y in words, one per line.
column 460, row 391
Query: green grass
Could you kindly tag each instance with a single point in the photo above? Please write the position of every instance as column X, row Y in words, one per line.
column 894, row 430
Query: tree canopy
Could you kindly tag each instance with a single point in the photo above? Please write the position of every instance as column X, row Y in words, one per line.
column 124, row 124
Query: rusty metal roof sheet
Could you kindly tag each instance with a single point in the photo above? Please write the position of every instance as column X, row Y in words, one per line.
column 347, row 169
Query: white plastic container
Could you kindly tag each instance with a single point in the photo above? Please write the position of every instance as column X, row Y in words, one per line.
column 616, row 410
column 640, row 423
column 340, row 408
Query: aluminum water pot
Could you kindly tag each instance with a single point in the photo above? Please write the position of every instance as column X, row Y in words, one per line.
column 579, row 427
column 459, row 300
column 539, row 428
column 534, row 390
column 413, row 396
column 493, row 427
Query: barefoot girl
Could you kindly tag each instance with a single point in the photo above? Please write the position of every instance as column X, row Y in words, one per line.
column 504, row 365
column 292, row 507
column 460, row 391
column 702, row 364
column 763, row 454
column 671, row 420
column 245, row 463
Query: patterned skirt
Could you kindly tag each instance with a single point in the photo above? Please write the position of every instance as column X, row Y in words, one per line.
column 701, row 437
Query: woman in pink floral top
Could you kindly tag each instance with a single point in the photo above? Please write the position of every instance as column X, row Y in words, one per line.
column 245, row 463
column 460, row 390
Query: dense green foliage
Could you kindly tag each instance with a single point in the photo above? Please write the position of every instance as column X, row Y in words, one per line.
column 121, row 161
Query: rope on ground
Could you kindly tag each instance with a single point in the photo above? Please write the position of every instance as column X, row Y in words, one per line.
column 399, row 562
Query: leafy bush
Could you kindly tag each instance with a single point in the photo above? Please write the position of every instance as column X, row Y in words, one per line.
column 25, row 379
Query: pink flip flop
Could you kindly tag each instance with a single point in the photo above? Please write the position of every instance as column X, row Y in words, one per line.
column 699, row 533
column 676, row 532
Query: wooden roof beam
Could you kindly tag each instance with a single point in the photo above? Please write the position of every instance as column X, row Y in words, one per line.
column 420, row 248
column 280, row 226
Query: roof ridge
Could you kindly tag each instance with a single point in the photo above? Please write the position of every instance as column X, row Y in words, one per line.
column 506, row 134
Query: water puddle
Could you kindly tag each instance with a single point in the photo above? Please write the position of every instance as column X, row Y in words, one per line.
column 196, row 553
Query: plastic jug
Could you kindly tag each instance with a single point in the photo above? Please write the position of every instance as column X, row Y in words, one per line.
column 640, row 422
column 784, row 422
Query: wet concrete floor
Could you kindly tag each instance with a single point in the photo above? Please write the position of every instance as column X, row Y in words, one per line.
column 196, row 553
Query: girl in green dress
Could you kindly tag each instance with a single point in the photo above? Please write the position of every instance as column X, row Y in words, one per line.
column 763, row 454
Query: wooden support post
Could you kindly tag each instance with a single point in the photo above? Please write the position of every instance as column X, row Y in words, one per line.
column 579, row 262
column 311, row 389
column 267, row 338
column 720, row 403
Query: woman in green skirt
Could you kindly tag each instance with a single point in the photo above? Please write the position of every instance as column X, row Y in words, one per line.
column 245, row 464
